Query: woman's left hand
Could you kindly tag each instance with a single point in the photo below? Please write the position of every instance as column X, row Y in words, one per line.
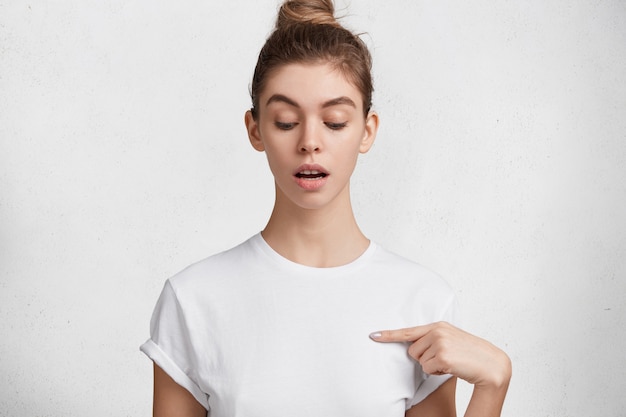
column 441, row 348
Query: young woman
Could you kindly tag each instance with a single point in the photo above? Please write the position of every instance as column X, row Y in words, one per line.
column 285, row 324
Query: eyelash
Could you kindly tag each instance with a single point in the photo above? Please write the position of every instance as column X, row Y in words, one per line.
column 285, row 126
column 289, row 126
column 336, row 126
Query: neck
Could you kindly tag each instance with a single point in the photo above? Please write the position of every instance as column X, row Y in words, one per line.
column 320, row 237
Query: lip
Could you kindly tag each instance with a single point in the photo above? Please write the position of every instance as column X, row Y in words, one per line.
column 310, row 167
column 310, row 184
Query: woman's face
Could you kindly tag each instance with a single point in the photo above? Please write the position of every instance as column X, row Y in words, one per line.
column 310, row 125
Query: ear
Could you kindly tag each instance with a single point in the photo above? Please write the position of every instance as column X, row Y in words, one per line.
column 371, row 128
column 252, row 126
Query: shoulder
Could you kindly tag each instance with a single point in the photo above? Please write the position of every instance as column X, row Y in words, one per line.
column 403, row 268
column 421, row 294
column 217, row 267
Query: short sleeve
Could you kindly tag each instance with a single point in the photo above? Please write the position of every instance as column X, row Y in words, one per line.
column 429, row 383
column 170, row 344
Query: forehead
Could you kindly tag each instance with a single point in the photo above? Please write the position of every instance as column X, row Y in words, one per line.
column 310, row 84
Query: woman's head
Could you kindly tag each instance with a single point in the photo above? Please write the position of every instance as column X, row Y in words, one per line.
column 306, row 32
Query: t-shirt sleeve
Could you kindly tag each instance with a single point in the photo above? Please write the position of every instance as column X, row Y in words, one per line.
column 429, row 383
column 170, row 344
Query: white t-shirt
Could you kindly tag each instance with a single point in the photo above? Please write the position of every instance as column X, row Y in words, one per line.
column 252, row 334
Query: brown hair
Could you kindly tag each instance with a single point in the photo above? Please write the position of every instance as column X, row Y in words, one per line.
column 306, row 31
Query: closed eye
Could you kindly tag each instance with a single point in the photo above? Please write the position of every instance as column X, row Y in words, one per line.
column 285, row 126
column 335, row 126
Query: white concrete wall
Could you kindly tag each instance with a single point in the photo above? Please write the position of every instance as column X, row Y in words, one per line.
column 501, row 164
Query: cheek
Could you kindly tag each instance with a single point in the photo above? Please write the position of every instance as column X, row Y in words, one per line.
column 348, row 155
column 276, row 158
column 356, row 139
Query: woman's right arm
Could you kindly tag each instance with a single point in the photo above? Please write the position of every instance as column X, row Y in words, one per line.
column 172, row 400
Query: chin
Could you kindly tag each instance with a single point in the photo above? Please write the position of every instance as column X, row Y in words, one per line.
column 311, row 203
column 298, row 198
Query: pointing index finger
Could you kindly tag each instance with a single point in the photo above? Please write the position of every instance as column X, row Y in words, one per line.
column 408, row 334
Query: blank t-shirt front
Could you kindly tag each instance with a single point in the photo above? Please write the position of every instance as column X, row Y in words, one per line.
column 252, row 334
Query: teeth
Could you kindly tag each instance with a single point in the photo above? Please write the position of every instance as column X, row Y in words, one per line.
column 310, row 172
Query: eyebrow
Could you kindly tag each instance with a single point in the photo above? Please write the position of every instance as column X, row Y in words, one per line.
column 279, row 98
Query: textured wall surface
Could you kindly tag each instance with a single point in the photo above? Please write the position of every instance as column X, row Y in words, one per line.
column 500, row 163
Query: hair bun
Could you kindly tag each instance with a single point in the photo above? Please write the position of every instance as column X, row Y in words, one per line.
column 321, row 12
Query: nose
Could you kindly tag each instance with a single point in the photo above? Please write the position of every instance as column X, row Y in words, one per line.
column 310, row 139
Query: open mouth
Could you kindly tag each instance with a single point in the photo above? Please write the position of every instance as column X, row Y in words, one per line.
column 311, row 174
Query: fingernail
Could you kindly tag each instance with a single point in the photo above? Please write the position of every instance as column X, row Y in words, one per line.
column 375, row 335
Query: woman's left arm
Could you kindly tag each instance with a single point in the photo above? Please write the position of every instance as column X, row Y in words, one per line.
column 441, row 348
column 440, row 403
